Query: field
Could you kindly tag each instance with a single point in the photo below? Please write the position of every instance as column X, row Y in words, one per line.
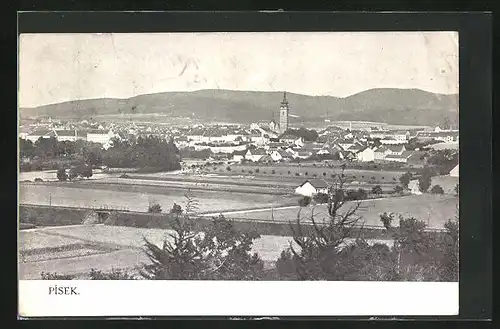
column 136, row 198
column 130, row 254
column 51, row 175
column 301, row 172
column 435, row 210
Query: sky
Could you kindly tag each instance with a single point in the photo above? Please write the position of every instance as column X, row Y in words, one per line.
column 55, row 68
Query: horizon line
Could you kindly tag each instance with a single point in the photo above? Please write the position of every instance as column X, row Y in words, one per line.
column 235, row 90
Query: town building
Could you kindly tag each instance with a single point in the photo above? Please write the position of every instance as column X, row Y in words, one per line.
column 40, row 133
column 284, row 112
column 402, row 158
column 255, row 154
column 366, row 155
column 102, row 137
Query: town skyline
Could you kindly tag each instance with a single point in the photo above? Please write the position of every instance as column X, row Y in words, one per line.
column 60, row 68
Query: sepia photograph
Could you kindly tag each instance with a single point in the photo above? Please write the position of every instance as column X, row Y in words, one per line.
column 239, row 156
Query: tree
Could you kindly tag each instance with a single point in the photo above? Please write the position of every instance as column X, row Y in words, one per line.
column 154, row 207
column 418, row 251
column 437, row 189
column 424, row 181
column 309, row 135
column 86, row 171
column 176, row 209
column 305, row 201
column 398, row 189
column 61, row 175
column 387, row 220
column 405, row 179
column 449, row 264
column 377, row 189
column 317, row 254
column 456, row 189
column 26, row 148
column 219, row 252
column 228, row 168
column 321, row 198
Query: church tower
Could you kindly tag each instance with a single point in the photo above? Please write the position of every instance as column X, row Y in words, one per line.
column 284, row 109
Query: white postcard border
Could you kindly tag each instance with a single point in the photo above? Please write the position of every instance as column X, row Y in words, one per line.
column 238, row 298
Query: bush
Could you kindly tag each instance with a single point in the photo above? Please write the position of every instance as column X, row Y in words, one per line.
column 273, row 171
column 154, row 207
column 289, row 172
column 228, row 168
column 436, row 189
column 38, row 179
column 405, row 179
column 221, row 253
column 324, row 174
column 297, row 174
column 398, row 189
column 456, row 189
column 321, row 198
column 176, row 209
column 250, row 172
column 424, row 182
column 61, row 175
column 124, row 176
column 306, row 173
column 257, row 170
column 359, row 194
column 305, row 201
column 377, row 189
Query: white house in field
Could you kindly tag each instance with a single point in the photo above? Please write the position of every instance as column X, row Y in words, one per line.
column 414, row 187
column 312, row 187
column 366, row 155
column 454, row 171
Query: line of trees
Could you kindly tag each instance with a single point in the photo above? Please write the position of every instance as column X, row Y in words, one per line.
column 148, row 152
column 309, row 135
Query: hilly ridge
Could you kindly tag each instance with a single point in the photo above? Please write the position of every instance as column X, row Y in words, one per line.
column 395, row 106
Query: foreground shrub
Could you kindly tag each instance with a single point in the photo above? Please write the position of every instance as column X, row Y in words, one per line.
column 220, row 252
column 437, row 189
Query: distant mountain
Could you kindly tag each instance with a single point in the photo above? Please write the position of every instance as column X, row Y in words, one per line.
column 395, row 106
